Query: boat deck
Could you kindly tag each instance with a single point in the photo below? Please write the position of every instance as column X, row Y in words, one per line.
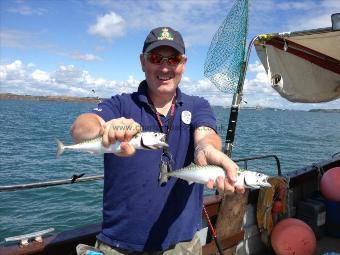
column 328, row 244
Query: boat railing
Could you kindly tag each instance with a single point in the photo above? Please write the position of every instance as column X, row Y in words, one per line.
column 74, row 179
column 245, row 160
column 80, row 178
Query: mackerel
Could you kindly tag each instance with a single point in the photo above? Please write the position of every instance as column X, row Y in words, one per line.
column 202, row 174
column 143, row 140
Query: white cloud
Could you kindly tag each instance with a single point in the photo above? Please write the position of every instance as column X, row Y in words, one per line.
column 3, row 73
column 13, row 38
column 317, row 21
column 68, row 80
column 197, row 20
column 108, row 26
column 20, row 78
column 14, row 71
column 40, row 76
column 85, row 57
column 26, row 10
column 304, row 5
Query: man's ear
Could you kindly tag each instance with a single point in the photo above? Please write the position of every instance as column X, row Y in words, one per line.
column 142, row 62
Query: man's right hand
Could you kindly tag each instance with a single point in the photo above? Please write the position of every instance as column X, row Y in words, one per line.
column 90, row 125
column 122, row 130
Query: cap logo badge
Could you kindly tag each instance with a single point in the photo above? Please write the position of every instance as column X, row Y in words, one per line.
column 165, row 35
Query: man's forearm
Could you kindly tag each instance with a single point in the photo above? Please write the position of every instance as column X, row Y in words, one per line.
column 205, row 136
column 86, row 126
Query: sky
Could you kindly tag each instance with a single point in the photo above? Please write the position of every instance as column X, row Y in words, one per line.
column 91, row 47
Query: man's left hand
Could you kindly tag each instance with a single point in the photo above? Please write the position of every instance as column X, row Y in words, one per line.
column 210, row 155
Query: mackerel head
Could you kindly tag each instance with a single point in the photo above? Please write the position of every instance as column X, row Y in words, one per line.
column 250, row 179
column 149, row 141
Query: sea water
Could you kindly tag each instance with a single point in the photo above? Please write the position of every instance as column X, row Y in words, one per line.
column 27, row 154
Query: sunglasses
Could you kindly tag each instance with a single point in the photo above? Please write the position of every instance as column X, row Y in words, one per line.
column 157, row 59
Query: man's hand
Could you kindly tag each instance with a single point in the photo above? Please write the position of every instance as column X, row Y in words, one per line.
column 210, row 155
column 208, row 151
column 122, row 130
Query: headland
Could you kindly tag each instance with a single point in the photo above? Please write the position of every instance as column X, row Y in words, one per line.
column 10, row 96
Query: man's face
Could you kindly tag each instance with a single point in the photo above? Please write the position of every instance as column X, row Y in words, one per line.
column 163, row 78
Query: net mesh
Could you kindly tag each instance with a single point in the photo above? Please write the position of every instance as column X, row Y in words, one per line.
column 223, row 64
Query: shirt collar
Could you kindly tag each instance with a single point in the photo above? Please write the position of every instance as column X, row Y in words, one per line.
column 142, row 93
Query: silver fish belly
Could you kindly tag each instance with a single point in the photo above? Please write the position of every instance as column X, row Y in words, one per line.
column 202, row 174
column 144, row 140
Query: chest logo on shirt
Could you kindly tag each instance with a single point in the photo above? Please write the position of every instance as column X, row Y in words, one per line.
column 186, row 117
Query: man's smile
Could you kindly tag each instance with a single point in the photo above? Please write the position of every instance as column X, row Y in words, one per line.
column 164, row 77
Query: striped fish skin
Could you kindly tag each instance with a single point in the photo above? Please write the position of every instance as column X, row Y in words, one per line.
column 143, row 140
column 202, row 174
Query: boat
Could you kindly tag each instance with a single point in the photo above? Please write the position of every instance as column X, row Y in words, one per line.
column 234, row 218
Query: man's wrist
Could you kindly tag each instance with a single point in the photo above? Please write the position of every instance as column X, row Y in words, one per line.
column 205, row 149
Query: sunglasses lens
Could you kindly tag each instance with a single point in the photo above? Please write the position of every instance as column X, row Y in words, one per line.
column 174, row 60
column 158, row 59
column 155, row 59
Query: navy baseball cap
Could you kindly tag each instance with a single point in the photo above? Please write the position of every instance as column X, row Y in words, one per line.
column 164, row 36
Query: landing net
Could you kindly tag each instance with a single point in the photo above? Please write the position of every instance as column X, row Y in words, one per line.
column 224, row 62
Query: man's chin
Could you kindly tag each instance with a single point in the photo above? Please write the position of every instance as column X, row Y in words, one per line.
column 167, row 89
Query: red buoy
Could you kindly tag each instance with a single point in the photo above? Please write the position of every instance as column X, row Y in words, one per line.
column 330, row 184
column 293, row 236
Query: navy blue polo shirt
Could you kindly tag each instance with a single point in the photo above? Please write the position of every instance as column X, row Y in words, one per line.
column 138, row 213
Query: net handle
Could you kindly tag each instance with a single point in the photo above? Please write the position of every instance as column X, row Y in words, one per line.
column 237, row 98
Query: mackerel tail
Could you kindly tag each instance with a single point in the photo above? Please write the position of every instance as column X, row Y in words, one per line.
column 60, row 147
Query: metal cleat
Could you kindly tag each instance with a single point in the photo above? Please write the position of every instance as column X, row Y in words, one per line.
column 24, row 242
column 38, row 239
column 24, row 239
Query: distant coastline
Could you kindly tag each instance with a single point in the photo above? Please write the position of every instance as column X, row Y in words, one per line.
column 325, row 110
column 10, row 96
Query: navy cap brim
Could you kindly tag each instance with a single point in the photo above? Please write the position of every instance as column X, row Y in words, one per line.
column 169, row 43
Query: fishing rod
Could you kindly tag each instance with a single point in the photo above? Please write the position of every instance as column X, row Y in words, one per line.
column 213, row 232
column 74, row 179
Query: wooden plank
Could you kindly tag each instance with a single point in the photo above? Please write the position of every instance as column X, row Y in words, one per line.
column 226, row 243
column 230, row 217
column 212, row 204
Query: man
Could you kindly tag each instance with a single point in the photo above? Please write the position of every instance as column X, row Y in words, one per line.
column 139, row 215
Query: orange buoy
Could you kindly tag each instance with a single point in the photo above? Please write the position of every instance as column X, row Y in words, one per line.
column 293, row 236
column 330, row 184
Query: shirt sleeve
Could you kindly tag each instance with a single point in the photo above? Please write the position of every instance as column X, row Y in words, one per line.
column 203, row 115
column 109, row 109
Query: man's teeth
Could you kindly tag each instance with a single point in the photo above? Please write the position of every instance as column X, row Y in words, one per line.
column 164, row 78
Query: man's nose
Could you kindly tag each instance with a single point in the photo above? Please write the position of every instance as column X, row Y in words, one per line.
column 165, row 65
